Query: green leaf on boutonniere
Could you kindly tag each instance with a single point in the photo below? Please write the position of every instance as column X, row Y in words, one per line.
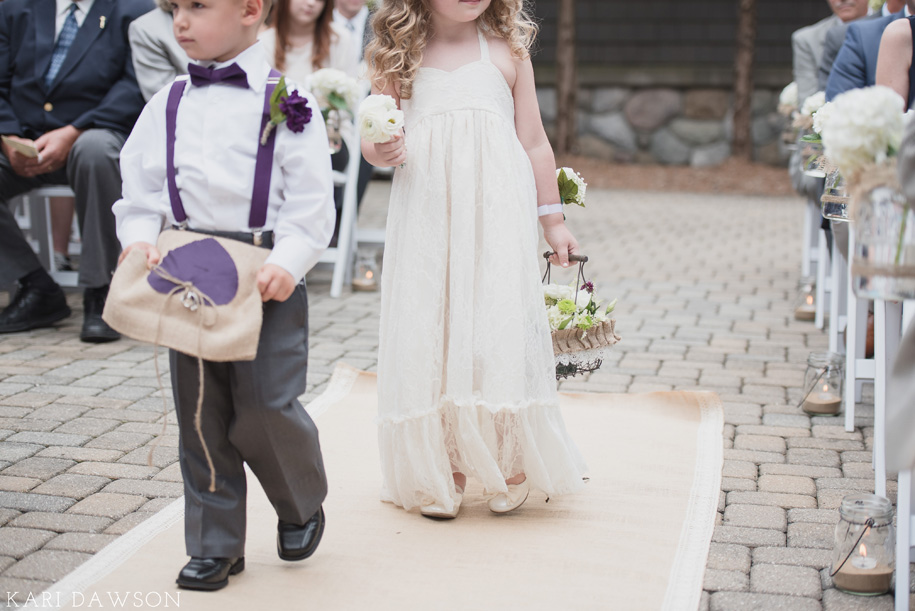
column 276, row 115
column 811, row 138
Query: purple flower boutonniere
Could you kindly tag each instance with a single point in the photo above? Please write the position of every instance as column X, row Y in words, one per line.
column 289, row 107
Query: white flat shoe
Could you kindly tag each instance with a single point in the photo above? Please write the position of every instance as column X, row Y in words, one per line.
column 437, row 510
column 508, row 501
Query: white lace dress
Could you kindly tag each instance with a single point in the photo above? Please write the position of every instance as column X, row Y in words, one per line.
column 466, row 379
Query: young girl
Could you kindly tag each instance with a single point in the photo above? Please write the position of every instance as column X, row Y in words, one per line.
column 304, row 38
column 466, row 379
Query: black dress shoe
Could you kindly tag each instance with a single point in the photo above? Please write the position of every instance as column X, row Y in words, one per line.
column 32, row 308
column 95, row 330
column 294, row 542
column 209, row 573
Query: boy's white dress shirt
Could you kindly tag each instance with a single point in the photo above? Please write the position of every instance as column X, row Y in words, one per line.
column 217, row 138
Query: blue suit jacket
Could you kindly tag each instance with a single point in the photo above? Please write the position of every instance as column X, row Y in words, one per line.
column 96, row 86
column 856, row 63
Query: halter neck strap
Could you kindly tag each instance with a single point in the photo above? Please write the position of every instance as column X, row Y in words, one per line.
column 484, row 46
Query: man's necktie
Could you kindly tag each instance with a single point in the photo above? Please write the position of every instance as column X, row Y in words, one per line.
column 230, row 75
column 64, row 40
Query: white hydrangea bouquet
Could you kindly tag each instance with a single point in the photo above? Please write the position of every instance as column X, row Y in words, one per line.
column 334, row 90
column 862, row 133
column 804, row 119
column 787, row 100
column 580, row 323
column 336, row 93
column 862, row 129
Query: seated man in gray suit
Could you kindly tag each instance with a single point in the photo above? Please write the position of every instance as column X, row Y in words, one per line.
column 157, row 56
column 67, row 89
column 807, row 49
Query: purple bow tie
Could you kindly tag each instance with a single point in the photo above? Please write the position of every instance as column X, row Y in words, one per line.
column 230, row 75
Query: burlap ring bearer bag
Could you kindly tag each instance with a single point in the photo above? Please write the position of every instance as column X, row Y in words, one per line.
column 202, row 298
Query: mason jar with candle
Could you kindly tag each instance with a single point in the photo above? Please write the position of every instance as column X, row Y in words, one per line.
column 865, row 546
column 823, row 382
column 804, row 306
column 365, row 276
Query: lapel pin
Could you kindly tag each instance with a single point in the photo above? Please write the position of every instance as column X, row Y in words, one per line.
column 101, row 22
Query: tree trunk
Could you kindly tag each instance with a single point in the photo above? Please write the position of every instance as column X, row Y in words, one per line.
column 566, row 79
column 743, row 79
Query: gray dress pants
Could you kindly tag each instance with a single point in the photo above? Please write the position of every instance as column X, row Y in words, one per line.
column 251, row 414
column 92, row 172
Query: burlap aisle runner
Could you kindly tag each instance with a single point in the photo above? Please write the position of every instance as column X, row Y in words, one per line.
column 637, row 537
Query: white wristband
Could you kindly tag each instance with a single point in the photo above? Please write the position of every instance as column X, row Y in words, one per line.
column 549, row 209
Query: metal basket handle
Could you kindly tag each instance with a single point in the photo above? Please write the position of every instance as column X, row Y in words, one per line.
column 581, row 280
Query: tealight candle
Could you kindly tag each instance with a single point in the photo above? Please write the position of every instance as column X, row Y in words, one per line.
column 807, row 310
column 863, row 575
column 824, row 401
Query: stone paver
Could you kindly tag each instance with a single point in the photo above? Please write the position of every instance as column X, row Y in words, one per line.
column 705, row 286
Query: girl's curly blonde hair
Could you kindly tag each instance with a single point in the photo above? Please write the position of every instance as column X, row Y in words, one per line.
column 403, row 27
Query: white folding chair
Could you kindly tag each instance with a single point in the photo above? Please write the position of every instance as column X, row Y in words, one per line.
column 34, row 217
column 810, row 248
column 341, row 255
column 838, row 298
column 887, row 333
column 857, row 367
column 905, row 520
column 824, row 280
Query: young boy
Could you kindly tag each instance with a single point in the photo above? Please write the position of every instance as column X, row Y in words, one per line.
column 250, row 413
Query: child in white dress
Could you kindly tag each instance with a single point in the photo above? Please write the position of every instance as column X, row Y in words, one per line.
column 466, row 378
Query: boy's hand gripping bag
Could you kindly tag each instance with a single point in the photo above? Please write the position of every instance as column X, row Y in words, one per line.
column 201, row 299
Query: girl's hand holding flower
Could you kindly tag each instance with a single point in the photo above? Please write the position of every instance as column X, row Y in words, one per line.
column 392, row 153
column 381, row 124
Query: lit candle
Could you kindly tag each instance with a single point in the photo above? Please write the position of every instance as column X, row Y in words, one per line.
column 365, row 282
column 863, row 575
column 806, row 311
column 823, row 401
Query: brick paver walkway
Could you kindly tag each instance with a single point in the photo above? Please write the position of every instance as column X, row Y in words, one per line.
column 705, row 285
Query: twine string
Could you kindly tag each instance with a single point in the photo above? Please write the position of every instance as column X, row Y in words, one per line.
column 189, row 289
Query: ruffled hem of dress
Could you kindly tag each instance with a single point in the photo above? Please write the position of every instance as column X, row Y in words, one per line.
column 420, row 452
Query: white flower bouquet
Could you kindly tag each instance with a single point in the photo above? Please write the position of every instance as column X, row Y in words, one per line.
column 379, row 118
column 334, row 90
column 787, row 99
column 862, row 128
column 572, row 187
column 804, row 118
column 580, row 324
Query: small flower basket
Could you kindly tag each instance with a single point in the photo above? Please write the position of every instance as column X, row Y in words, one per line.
column 579, row 322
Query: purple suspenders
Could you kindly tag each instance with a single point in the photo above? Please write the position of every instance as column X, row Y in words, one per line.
column 263, row 166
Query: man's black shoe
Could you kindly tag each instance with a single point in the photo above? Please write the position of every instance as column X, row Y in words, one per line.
column 95, row 330
column 209, row 573
column 294, row 542
column 32, row 308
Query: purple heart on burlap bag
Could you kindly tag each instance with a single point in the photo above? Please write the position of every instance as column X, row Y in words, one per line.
column 205, row 264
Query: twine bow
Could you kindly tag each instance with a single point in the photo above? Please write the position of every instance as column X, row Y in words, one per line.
column 191, row 299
